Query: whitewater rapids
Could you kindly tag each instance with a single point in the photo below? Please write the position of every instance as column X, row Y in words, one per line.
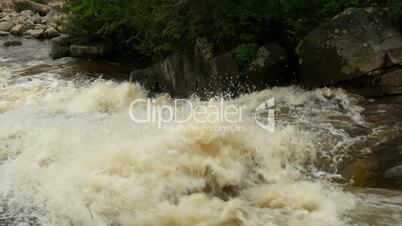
column 70, row 155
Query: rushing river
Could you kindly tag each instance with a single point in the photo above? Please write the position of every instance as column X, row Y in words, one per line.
column 71, row 155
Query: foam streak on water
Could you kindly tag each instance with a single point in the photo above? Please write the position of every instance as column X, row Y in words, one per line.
column 70, row 155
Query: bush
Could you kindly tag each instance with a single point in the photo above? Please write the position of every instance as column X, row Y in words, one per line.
column 244, row 53
column 156, row 28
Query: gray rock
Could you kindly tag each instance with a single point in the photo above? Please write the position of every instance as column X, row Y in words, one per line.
column 18, row 29
column 394, row 173
column 52, row 32
column 88, row 51
column 184, row 74
column 59, row 47
column 21, row 5
column 148, row 79
column 6, row 26
column 7, row 4
column 4, row 33
column 39, row 27
column 12, row 43
column 27, row 13
column 352, row 44
column 270, row 66
column 40, row 33
column 35, row 19
column 223, row 71
column 203, row 49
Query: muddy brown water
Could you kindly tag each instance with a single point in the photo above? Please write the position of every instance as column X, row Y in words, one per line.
column 69, row 155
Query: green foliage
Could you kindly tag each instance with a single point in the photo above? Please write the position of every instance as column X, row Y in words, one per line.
column 244, row 53
column 156, row 28
column 148, row 27
column 396, row 10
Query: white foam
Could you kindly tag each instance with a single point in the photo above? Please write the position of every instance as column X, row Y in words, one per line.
column 71, row 156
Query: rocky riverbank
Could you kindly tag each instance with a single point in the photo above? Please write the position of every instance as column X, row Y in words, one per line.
column 29, row 19
column 359, row 49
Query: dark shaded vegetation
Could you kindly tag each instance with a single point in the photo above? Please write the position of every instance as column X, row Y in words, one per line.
column 155, row 28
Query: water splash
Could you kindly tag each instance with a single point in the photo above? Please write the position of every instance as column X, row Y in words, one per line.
column 70, row 155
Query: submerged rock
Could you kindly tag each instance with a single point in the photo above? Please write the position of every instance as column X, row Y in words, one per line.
column 388, row 83
column 354, row 43
column 12, row 43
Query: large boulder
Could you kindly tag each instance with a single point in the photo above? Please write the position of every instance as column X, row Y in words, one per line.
column 270, row 66
column 59, row 47
column 21, row 5
column 184, row 74
column 356, row 43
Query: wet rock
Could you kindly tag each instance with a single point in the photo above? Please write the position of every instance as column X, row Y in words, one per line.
column 184, row 74
column 361, row 170
column 12, row 43
column 394, row 173
column 18, row 29
column 21, row 5
column 4, row 33
column 203, row 49
column 223, row 70
column 88, row 51
column 177, row 74
column 59, row 47
column 51, row 32
column 6, row 26
column 148, row 79
column 384, row 83
column 270, row 66
column 352, row 44
column 39, row 33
